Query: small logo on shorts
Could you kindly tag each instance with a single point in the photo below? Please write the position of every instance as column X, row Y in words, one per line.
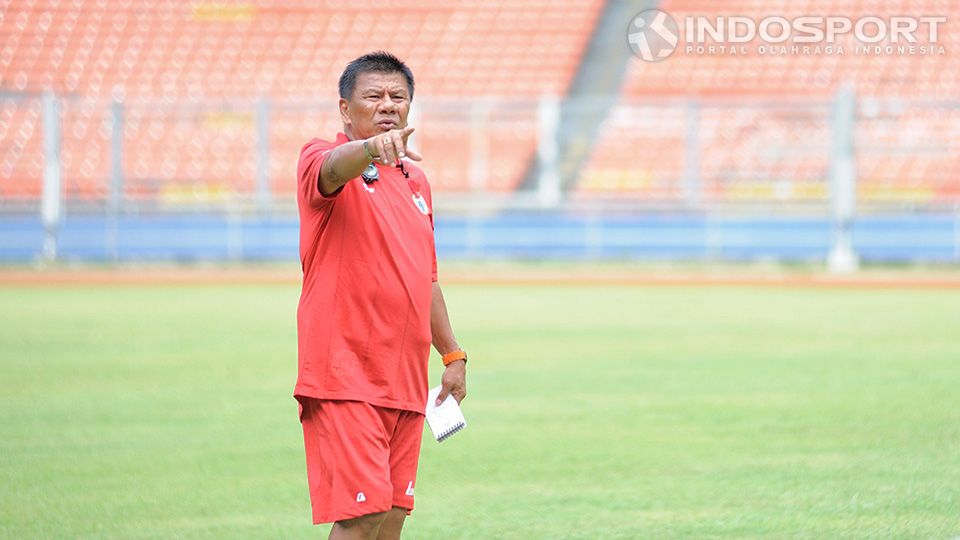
column 361, row 497
column 410, row 489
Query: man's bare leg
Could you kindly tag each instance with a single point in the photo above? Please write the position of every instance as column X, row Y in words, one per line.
column 390, row 528
column 365, row 527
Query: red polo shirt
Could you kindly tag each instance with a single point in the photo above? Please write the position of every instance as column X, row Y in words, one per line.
column 367, row 252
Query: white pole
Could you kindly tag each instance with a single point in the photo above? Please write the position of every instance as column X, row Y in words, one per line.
column 479, row 157
column 692, row 187
column 843, row 183
column 116, row 181
column 956, row 232
column 262, row 157
column 548, row 119
column 51, row 204
column 413, row 120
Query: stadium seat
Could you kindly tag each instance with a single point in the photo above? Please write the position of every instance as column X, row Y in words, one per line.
column 768, row 153
column 190, row 75
column 166, row 59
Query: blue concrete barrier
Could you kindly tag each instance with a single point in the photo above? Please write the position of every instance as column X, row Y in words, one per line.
column 217, row 237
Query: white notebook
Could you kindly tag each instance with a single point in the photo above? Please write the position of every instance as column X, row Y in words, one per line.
column 444, row 419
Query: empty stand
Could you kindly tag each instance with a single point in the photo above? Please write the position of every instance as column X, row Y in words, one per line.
column 21, row 147
column 161, row 56
column 191, row 75
column 908, row 151
column 802, row 74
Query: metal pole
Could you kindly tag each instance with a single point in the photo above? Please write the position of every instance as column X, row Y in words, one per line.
column 116, row 181
column 51, row 205
column 413, row 120
column 956, row 232
column 548, row 120
column 479, row 155
column 262, row 166
column 843, row 182
column 692, row 186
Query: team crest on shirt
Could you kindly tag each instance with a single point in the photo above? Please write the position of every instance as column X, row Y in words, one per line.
column 421, row 203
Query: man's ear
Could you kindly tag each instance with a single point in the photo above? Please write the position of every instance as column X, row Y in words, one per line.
column 344, row 111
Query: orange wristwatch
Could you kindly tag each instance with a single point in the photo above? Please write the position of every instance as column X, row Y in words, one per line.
column 453, row 356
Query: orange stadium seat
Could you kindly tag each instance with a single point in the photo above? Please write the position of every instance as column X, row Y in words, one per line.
column 768, row 153
column 189, row 72
column 21, row 153
column 929, row 76
column 171, row 52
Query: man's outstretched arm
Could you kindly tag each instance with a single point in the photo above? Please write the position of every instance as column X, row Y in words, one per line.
column 454, row 380
column 350, row 159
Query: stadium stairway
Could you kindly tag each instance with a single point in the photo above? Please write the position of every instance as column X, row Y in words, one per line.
column 597, row 81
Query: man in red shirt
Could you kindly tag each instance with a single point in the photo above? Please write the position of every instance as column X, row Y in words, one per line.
column 370, row 307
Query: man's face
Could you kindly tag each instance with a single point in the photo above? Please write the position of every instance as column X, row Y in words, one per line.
column 380, row 102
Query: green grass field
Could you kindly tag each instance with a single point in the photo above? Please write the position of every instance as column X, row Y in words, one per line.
column 595, row 412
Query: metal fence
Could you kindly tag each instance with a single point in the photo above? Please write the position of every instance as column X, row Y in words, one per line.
column 709, row 179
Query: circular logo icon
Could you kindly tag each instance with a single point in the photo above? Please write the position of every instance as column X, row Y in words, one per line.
column 653, row 35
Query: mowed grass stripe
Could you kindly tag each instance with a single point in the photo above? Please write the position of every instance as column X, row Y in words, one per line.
column 594, row 411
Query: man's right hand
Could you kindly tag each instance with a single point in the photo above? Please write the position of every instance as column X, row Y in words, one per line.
column 349, row 160
column 390, row 146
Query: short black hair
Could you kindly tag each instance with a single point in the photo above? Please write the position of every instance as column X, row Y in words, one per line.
column 378, row 61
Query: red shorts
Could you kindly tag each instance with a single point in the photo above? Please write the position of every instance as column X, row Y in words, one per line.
column 361, row 459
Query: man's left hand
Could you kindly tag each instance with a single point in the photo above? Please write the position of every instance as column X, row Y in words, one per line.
column 454, row 381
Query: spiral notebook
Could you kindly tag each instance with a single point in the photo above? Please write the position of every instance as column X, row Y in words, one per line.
column 444, row 419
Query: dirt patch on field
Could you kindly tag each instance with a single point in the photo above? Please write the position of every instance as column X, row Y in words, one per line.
column 499, row 273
